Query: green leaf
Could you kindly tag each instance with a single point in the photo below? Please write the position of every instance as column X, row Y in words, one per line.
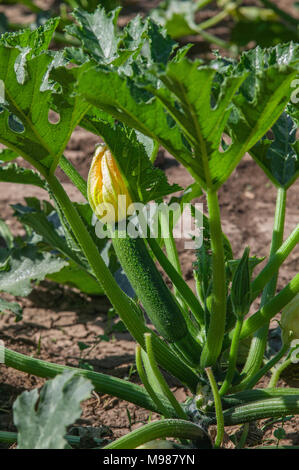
column 141, row 42
column 265, row 90
column 75, row 276
column 188, row 95
column 132, row 105
column 97, row 32
column 190, row 105
column 36, row 41
column 27, row 264
column 13, row 173
column 56, row 235
column 29, row 43
column 24, row 123
column 177, row 16
column 45, row 222
column 13, row 307
column 46, row 225
column 144, row 181
column 279, row 157
column 42, row 419
column 265, row 93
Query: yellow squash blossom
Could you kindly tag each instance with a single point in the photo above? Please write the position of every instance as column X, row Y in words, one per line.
column 107, row 193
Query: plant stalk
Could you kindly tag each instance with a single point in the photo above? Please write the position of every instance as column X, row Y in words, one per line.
column 160, row 429
column 159, row 377
column 250, row 382
column 147, row 385
column 276, row 374
column 73, row 175
column 216, row 330
column 102, row 383
column 232, row 358
column 273, row 307
column 218, row 408
column 258, row 394
column 259, row 341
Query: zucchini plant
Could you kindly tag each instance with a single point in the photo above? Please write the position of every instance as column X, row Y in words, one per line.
column 137, row 90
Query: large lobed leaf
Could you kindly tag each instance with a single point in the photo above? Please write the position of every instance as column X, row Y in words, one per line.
column 125, row 101
column 42, row 419
column 252, row 96
column 24, row 123
column 187, row 117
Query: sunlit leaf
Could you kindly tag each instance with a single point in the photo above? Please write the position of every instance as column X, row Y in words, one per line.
column 42, row 419
column 25, row 265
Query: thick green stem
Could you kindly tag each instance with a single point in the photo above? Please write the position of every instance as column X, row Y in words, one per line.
column 123, row 305
column 148, row 387
column 102, row 383
column 159, row 429
column 215, row 335
column 159, row 377
column 232, row 358
column 259, row 341
column 275, row 262
column 276, row 374
column 73, row 175
column 218, row 407
column 269, row 311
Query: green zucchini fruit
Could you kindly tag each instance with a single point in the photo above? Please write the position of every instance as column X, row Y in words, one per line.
column 158, row 302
